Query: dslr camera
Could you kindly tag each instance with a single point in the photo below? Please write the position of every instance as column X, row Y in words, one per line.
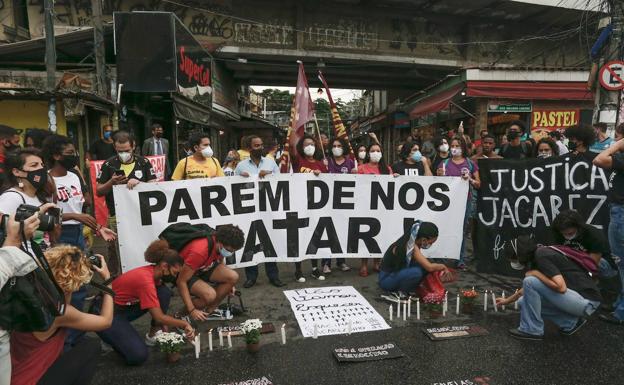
column 49, row 219
column 93, row 259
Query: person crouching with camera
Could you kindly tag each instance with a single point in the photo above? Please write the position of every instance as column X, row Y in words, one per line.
column 140, row 291
column 37, row 357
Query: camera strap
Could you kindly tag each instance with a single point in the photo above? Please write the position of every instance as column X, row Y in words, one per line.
column 103, row 288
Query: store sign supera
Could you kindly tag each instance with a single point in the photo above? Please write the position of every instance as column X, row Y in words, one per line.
column 554, row 119
column 199, row 73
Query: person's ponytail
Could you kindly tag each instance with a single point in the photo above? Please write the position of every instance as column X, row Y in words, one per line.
column 159, row 251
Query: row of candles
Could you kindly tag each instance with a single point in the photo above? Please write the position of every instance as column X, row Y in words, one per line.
column 228, row 336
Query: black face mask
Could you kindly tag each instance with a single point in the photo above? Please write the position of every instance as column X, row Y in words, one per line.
column 37, row 178
column 169, row 278
column 69, row 161
column 257, row 153
column 512, row 135
column 572, row 146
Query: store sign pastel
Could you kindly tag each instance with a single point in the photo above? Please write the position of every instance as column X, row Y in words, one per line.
column 553, row 119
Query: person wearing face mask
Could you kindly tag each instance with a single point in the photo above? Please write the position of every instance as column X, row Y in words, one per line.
column 157, row 145
column 202, row 164
column 124, row 168
column 580, row 139
column 360, row 153
column 442, row 152
column 404, row 266
column 412, row 162
column 102, row 149
column 546, row 148
column 144, row 290
column 515, row 148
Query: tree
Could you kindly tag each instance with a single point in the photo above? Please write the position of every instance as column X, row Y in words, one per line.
column 277, row 100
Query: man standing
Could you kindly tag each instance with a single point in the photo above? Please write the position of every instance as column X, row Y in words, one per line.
column 258, row 164
column 102, row 149
column 516, row 148
column 124, row 168
column 157, row 145
column 202, row 164
column 603, row 141
column 6, row 135
column 488, row 144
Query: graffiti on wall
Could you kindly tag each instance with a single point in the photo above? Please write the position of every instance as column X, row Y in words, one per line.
column 345, row 34
column 273, row 33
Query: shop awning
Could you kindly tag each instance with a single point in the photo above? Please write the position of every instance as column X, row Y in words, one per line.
column 436, row 102
column 529, row 90
column 189, row 110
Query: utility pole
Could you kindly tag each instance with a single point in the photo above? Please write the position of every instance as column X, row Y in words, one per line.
column 100, row 52
column 50, row 61
column 610, row 100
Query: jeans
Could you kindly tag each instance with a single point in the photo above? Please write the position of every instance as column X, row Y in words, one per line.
column 124, row 338
column 72, row 235
column 405, row 280
column 327, row 261
column 271, row 271
column 616, row 242
column 540, row 302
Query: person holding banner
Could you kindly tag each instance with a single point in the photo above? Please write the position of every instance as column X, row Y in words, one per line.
column 360, row 152
column 202, row 164
column 488, row 145
column 460, row 165
column 404, row 266
column 546, row 148
column 412, row 162
column 580, row 139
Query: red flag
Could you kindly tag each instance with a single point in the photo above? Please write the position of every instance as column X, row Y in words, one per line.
column 301, row 112
column 339, row 129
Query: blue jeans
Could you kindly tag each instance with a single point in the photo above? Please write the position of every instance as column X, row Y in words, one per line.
column 72, row 235
column 251, row 272
column 465, row 230
column 405, row 280
column 616, row 242
column 540, row 302
column 124, row 338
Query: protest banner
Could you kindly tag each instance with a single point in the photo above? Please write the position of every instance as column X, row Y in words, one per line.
column 288, row 218
column 522, row 197
column 453, row 332
column 99, row 203
column 368, row 353
column 325, row 311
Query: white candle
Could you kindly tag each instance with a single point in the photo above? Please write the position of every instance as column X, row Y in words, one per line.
column 445, row 309
column 409, row 307
column 349, row 327
column 315, row 331
column 283, row 334
column 457, row 305
column 390, row 311
column 485, row 300
column 229, row 336
column 220, row 338
column 418, row 309
column 197, row 346
column 516, row 303
column 494, row 301
column 503, row 299
column 399, row 309
column 210, row 339
column 404, row 311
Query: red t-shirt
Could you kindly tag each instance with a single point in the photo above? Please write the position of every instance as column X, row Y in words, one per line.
column 303, row 165
column 31, row 358
column 195, row 254
column 370, row 168
column 137, row 286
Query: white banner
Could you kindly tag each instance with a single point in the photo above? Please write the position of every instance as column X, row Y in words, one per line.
column 333, row 310
column 292, row 217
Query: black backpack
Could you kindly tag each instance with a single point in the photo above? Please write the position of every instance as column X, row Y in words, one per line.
column 180, row 234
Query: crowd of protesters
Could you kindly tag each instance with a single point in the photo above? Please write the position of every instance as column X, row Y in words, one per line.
column 46, row 174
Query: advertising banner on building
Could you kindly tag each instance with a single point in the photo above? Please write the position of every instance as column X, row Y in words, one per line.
column 545, row 121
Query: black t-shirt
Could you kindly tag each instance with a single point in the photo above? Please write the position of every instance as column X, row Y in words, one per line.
column 589, row 239
column 576, row 278
column 403, row 168
column 616, row 181
column 515, row 152
column 395, row 258
column 435, row 163
column 100, row 150
column 142, row 171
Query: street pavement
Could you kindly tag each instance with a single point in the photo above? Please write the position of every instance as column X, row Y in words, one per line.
column 592, row 356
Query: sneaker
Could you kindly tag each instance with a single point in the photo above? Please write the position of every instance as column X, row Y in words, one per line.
column 462, row 267
column 515, row 333
column 299, row 277
column 344, row 267
column 326, row 269
column 611, row 318
column 317, row 274
column 151, row 341
column 579, row 324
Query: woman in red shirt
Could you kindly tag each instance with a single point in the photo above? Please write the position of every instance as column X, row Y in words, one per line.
column 309, row 160
column 143, row 290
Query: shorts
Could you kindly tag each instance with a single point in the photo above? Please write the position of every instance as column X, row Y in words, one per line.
column 203, row 275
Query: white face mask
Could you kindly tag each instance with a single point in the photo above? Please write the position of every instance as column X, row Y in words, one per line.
column 570, row 237
column 207, row 152
column 375, row 157
column 337, row 151
column 125, row 157
column 362, row 155
column 309, row 150
column 456, row 151
column 443, row 147
column 425, row 246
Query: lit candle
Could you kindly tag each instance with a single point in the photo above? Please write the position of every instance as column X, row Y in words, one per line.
column 457, row 305
column 409, row 306
column 315, row 331
column 349, row 326
column 197, row 346
column 398, row 309
column 443, row 311
column 503, row 299
column 516, row 303
column 390, row 311
column 485, row 300
column 229, row 340
column 418, row 309
column 220, row 338
column 283, row 334
column 404, row 311
column 210, row 339
column 494, row 301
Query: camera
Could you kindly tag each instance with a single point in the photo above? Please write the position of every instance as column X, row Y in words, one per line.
column 49, row 219
column 94, row 259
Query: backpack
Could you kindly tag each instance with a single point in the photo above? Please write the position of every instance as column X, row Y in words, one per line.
column 180, row 234
column 581, row 258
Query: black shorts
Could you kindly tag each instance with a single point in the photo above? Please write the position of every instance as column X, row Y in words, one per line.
column 203, row 275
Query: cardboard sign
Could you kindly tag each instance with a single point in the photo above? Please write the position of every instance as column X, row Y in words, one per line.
column 254, row 381
column 454, row 332
column 236, row 331
column 368, row 353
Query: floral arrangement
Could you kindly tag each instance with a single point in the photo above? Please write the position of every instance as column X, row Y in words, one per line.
column 251, row 328
column 169, row 342
column 469, row 296
column 433, row 302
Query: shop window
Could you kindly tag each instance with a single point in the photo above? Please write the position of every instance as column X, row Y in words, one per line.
column 20, row 14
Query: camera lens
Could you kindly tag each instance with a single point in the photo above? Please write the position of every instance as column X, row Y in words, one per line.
column 47, row 222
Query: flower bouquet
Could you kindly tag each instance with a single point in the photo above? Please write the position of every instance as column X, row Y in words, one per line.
column 170, row 343
column 468, row 298
column 433, row 304
column 251, row 328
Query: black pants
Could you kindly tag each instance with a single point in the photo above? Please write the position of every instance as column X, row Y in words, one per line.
column 271, row 271
column 75, row 366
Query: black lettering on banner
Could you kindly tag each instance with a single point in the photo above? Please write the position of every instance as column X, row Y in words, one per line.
column 367, row 236
column 208, row 201
column 420, row 196
column 147, row 209
column 292, row 224
column 182, row 205
column 340, row 194
column 238, row 198
column 282, row 194
column 436, row 191
column 257, row 230
column 312, row 185
column 332, row 242
column 378, row 193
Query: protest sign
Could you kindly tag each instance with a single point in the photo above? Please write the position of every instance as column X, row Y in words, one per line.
column 99, row 203
column 333, row 310
column 235, row 330
column 368, row 353
column 288, row 218
column 522, row 197
column 453, row 332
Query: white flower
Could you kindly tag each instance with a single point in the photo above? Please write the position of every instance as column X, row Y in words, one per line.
column 169, row 339
column 250, row 324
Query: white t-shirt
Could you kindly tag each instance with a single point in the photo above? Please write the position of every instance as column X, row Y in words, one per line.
column 69, row 195
column 11, row 199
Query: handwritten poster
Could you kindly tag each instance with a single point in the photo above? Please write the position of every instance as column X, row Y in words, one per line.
column 333, row 310
column 253, row 381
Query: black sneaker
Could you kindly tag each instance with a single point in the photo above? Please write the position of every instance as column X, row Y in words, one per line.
column 299, row 277
column 515, row 333
column 579, row 324
column 316, row 273
column 611, row 318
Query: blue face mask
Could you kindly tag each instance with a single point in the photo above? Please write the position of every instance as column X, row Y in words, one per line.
column 225, row 253
column 417, row 156
column 107, row 134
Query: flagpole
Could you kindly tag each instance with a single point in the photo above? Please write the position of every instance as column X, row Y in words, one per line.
column 318, row 132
